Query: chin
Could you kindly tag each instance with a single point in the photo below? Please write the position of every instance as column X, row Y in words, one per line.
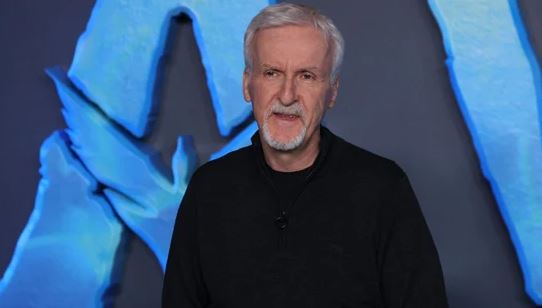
column 279, row 142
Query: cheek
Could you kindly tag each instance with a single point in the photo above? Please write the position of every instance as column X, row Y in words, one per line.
column 259, row 112
column 262, row 95
column 316, row 116
column 315, row 105
column 259, row 106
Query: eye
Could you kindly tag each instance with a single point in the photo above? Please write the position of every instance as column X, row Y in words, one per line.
column 270, row 73
column 307, row 76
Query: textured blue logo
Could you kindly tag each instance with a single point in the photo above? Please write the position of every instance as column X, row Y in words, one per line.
column 497, row 82
column 98, row 179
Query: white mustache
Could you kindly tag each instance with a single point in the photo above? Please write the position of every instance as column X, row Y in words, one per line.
column 294, row 109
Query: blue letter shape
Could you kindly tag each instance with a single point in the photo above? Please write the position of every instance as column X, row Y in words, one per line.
column 116, row 59
column 66, row 255
column 136, row 185
column 115, row 66
column 497, row 82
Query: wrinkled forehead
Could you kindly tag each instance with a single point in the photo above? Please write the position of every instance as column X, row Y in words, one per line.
column 292, row 44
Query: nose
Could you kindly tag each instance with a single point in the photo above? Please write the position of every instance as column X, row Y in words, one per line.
column 288, row 95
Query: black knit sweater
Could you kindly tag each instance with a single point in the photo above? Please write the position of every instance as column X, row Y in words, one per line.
column 354, row 236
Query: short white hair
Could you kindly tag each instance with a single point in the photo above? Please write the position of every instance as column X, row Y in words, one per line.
column 284, row 14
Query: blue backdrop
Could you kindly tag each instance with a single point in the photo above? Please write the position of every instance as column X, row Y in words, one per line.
column 102, row 182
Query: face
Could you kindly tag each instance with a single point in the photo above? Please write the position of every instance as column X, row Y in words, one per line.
column 289, row 85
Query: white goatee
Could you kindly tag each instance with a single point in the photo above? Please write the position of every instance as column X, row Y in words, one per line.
column 288, row 145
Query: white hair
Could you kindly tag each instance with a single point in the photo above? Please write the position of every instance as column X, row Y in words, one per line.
column 284, row 14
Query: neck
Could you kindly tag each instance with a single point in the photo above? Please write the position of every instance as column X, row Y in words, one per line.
column 295, row 160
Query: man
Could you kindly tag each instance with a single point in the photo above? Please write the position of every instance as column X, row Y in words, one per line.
column 301, row 218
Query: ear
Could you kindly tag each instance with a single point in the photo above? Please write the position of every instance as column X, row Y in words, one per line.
column 334, row 91
column 246, row 79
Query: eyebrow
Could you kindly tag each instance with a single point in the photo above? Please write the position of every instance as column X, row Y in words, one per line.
column 270, row 66
column 310, row 68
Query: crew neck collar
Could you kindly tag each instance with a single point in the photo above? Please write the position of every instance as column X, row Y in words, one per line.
column 324, row 146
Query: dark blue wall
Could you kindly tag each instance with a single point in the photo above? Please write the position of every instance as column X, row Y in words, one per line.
column 395, row 100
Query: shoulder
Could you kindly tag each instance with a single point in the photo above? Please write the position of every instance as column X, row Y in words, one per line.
column 359, row 162
column 225, row 168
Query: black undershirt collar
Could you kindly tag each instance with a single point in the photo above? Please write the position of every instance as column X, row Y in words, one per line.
column 289, row 184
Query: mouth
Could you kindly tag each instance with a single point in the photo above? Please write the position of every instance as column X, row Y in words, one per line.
column 286, row 117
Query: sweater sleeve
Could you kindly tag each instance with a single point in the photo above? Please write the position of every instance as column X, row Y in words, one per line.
column 183, row 281
column 411, row 274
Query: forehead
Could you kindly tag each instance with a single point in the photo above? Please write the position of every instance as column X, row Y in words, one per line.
column 288, row 45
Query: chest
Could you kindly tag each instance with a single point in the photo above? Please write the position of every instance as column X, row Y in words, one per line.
column 322, row 250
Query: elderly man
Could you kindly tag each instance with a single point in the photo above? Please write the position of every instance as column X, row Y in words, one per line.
column 301, row 218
